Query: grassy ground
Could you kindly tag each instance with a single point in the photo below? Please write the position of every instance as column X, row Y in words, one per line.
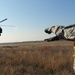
column 37, row 59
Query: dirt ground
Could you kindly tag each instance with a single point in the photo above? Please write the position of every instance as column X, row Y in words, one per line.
column 40, row 43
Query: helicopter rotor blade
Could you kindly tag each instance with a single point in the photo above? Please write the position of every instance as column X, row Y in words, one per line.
column 3, row 20
column 7, row 25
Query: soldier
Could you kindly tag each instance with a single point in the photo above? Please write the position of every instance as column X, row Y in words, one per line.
column 61, row 32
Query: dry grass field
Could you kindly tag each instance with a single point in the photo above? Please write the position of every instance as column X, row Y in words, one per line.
column 37, row 58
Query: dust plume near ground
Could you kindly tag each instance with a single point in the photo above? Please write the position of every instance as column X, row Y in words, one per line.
column 37, row 58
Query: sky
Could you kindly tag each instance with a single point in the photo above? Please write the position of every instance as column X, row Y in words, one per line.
column 31, row 17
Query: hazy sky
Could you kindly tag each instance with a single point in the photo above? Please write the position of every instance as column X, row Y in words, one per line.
column 31, row 17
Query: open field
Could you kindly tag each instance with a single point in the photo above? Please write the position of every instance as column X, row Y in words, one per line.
column 37, row 58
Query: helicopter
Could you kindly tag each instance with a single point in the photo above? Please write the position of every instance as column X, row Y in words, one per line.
column 3, row 25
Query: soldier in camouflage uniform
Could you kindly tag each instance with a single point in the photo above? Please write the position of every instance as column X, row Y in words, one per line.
column 61, row 32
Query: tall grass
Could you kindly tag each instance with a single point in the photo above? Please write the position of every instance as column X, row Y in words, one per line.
column 35, row 60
